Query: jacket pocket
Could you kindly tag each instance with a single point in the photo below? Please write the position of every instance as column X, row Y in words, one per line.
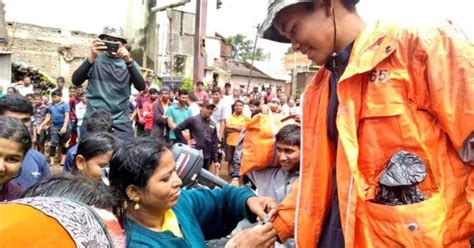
column 414, row 225
column 379, row 130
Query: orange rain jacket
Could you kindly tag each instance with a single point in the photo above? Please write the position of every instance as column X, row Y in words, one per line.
column 404, row 89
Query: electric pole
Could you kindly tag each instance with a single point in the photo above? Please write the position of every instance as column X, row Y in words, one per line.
column 199, row 37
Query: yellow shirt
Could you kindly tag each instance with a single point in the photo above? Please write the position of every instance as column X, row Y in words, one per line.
column 239, row 121
column 170, row 223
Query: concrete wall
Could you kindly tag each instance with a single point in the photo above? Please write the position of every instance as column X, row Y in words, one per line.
column 238, row 80
column 54, row 51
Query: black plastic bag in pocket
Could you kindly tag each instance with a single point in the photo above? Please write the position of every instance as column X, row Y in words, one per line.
column 397, row 184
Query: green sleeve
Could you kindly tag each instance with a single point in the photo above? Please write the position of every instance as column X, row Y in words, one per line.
column 219, row 210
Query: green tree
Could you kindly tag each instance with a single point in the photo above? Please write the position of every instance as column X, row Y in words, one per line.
column 242, row 48
column 187, row 84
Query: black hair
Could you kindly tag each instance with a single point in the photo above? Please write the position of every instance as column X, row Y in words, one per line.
column 99, row 121
column 61, row 79
column 192, row 97
column 56, row 92
column 134, row 162
column 29, row 95
column 95, row 144
column 37, row 95
column 255, row 102
column 236, row 101
column 215, row 90
column 12, row 88
column 183, row 92
column 14, row 130
column 152, row 91
column 200, row 82
column 76, row 188
column 289, row 135
column 37, row 86
column 227, row 85
column 15, row 103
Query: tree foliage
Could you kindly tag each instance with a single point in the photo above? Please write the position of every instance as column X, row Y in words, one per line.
column 242, row 48
column 187, row 84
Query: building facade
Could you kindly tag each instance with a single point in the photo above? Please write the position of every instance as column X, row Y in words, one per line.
column 56, row 52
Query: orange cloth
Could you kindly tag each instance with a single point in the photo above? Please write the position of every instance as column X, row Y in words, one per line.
column 238, row 121
column 404, row 89
column 24, row 226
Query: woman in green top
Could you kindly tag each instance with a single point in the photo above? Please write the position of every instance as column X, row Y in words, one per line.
column 157, row 213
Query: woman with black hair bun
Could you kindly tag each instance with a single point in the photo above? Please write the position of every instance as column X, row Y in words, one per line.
column 155, row 212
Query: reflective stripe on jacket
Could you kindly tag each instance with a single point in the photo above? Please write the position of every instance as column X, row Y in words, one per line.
column 404, row 89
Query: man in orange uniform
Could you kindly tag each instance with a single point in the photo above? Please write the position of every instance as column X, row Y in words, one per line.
column 382, row 89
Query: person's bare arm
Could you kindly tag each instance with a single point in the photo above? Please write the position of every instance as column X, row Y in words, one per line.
column 171, row 124
column 222, row 131
column 66, row 123
column 47, row 119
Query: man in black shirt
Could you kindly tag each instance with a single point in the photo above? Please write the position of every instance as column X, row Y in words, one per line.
column 203, row 134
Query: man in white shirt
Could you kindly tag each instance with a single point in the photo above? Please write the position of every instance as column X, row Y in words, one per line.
column 284, row 109
column 228, row 98
column 220, row 112
column 26, row 87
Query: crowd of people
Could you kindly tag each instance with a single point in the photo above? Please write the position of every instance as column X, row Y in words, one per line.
column 103, row 137
column 35, row 135
column 379, row 153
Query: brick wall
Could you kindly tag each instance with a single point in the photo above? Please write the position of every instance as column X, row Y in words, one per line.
column 54, row 51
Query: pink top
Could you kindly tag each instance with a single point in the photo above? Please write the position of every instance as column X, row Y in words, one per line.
column 201, row 96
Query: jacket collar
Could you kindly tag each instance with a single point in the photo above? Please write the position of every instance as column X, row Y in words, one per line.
column 374, row 44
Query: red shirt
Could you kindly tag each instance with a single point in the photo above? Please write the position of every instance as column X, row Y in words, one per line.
column 148, row 113
column 73, row 101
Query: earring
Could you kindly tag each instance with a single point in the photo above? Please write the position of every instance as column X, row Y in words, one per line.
column 137, row 206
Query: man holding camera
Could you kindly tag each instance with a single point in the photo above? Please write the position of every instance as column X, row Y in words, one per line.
column 111, row 72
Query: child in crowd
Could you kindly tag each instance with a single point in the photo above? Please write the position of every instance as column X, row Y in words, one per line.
column 94, row 153
column 40, row 126
column 15, row 141
column 80, row 112
column 100, row 121
column 30, row 97
column 37, row 89
column 45, row 100
column 60, row 129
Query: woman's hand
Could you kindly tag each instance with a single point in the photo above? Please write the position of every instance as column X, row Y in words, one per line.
column 257, row 236
column 262, row 206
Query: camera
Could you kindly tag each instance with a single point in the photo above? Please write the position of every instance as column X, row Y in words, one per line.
column 112, row 47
